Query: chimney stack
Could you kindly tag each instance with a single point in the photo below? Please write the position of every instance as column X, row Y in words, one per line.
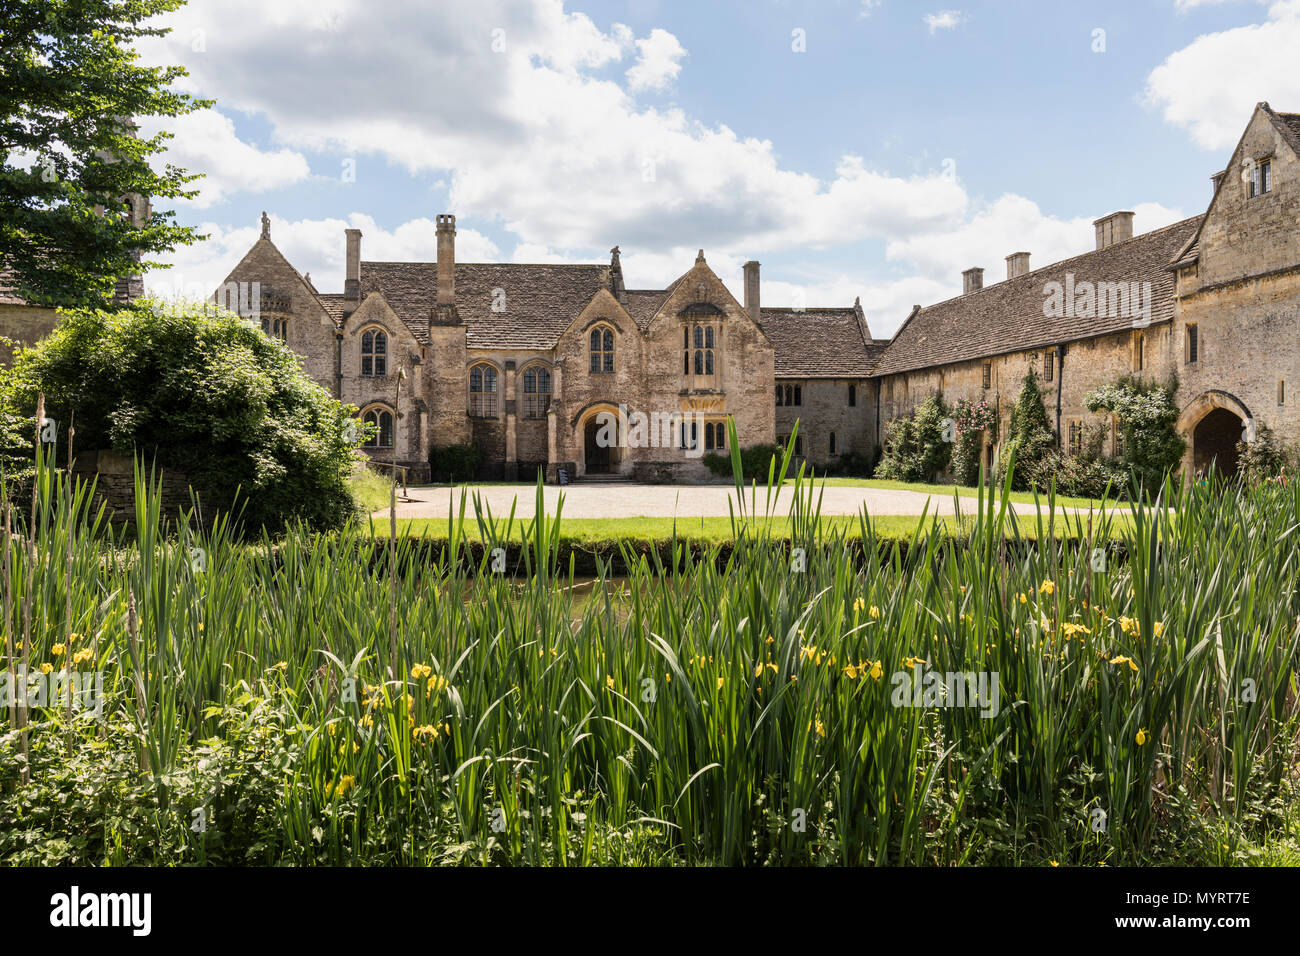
column 1114, row 228
column 751, row 291
column 1017, row 264
column 972, row 280
column 446, row 259
column 352, row 280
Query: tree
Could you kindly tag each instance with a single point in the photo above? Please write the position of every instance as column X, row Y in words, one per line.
column 201, row 391
column 70, row 162
column 1030, row 437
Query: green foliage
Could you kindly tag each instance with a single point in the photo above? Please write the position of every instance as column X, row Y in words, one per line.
column 69, row 73
column 200, row 391
column 1079, row 476
column 1265, row 458
column 451, row 463
column 755, row 462
column 1147, row 418
column 972, row 423
column 1030, row 439
column 915, row 446
column 684, row 714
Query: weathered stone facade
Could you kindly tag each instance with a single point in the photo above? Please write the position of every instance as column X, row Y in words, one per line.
column 523, row 362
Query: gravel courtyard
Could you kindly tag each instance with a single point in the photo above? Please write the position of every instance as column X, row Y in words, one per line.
column 654, row 501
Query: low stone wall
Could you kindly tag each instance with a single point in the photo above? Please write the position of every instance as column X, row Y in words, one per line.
column 114, row 475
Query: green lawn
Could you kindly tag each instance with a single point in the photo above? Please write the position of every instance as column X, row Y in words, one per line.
column 1019, row 497
column 711, row 530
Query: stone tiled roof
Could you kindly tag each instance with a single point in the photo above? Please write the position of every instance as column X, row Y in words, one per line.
column 820, row 343
column 1287, row 123
column 540, row 300
column 1008, row 316
column 642, row 304
column 335, row 305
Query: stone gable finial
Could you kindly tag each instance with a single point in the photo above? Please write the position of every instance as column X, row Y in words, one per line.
column 266, row 225
column 700, row 257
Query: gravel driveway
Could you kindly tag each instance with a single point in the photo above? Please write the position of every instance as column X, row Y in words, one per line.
column 683, row 501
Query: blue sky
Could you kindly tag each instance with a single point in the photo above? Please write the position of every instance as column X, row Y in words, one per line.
column 857, row 149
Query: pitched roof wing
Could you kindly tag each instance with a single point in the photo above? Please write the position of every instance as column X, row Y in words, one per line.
column 1008, row 316
column 820, row 343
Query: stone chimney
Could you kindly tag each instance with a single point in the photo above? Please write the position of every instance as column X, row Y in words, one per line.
column 1114, row 228
column 972, row 280
column 751, row 291
column 1017, row 265
column 446, row 259
column 352, row 281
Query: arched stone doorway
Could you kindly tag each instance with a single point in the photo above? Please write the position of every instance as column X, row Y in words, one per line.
column 601, row 442
column 1212, row 424
column 1214, row 443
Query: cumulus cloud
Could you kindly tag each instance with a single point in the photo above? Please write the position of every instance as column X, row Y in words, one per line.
column 1193, row 89
column 658, row 62
column 205, row 141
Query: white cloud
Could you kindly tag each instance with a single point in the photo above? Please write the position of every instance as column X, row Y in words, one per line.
column 944, row 20
column 532, row 132
column 205, row 141
column 1210, row 86
column 313, row 246
column 869, row 7
column 1183, row 6
column 658, row 62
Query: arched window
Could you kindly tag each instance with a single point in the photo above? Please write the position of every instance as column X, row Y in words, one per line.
column 276, row 328
column 602, row 349
column 382, row 419
column 537, row 391
column 698, row 344
column 715, row 436
column 374, row 352
column 483, row 391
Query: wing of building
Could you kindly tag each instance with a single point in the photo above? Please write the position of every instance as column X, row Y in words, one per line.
column 563, row 368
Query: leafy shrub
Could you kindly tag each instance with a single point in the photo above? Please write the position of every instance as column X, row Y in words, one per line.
column 1147, row 417
column 915, row 449
column 1079, row 476
column 1263, row 459
column 1031, row 437
column 455, row 463
column 972, row 421
column 200, row 391
column 755, row 462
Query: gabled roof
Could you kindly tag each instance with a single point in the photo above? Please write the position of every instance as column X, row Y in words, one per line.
column 1008, row 316
column 820, row 343
column 540, row 301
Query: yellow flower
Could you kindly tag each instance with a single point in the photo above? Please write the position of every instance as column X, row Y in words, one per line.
column 668, row 678
column 1129, row 625
column 282, row 666
column 344, row 785
column 1158, row 627
column 609, row 681
column 820, row 727
column 1054, row 863
column 910, row 662
column 1125, row 660
column 758, row 671
column 57, row 650
column 1142, row 737
column 1047, row 587
column 46, row 668
column 877, row 671
column 875, row 611
column 424, row 670
column 721, row 680
column 859, row 605
column 82, row 655
column 1024, row 598
column 332, row 729
column 851, row 672
column 200, row 627
column 425, row 732
column 770, row 639
column 72, row 638
column 1071, row 629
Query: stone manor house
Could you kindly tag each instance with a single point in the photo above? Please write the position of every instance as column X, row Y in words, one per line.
column 521, row 360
